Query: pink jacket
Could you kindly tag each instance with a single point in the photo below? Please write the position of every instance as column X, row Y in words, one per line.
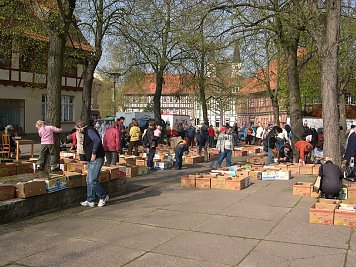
column 46, row 134
column 111, row 140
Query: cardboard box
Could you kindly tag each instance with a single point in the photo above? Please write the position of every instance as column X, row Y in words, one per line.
column 142, row 170
column 8, row 169
column 345, row 214
column 322, row 213
column 7, row 191
column 187, row 181
column 54, row 183
column 236, row 184
column 193, row 160
column 242, row 174
column 239, row 153
column 351, row 192
column 316, row 169
column 66, row 154
column 74, row 179
column 30, row 189
column 115, row 171
column 24, row 167
column 202, row 182
column 295, row 169
column 255, row 175
column 163, row 165
column 131, row 171
column 283, row 175
column 140, row 162
column 104, row 176
column 218, row 182
column 76, row 166
column 268, row 175
column 195, row 175
column 306, row 169
column 302, row 189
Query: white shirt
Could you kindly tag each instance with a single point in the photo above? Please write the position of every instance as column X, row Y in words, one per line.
column 259, row 132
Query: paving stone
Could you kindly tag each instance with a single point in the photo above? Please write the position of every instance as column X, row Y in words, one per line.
column 283, row 199
column 83, row 253
column 75, row 226
column 255, row 211
column 295, row 228
column 284, row 254
column 208, row 247
column 159, row 260
column 135, row 236
column 173, row 219
column 351, row 258
column 353, row 239
column 19, row 244
column 237, row 226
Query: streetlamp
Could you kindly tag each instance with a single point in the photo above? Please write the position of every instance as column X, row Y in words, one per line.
column 115, row 75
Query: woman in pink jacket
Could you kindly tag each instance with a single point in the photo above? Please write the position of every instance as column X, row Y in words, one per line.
column 111, row 144
column 46, row 132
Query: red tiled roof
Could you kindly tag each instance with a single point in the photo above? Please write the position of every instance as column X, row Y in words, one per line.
column 173, row 84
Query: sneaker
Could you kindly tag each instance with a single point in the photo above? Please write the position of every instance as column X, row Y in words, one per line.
column 86, row 203
column 103, row 201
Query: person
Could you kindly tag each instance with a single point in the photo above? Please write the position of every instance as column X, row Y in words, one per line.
column 350, row 148
column 224, row 146
column 46, row 132
column 135, row 134
column 103, row 128
column 121, row 129
column 307, row 131
column 133, row 121
column 269, row 143
column 304, row 148
column 73, row 138
column 330, row 179
column 259, row 133
column 80, row 148
column 180, row 149
column 157, row 133
column 249, row 134
column 211, row 133
column 351, row 130
column 190, row 134
column 111, row 145
column 180, row 128
column 148, row 141
column 285, row 153
column 94, row 155
column 203, row 142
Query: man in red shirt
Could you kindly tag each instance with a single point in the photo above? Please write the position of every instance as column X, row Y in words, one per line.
column 304, row 148
column 121, row 130
column 211, row 134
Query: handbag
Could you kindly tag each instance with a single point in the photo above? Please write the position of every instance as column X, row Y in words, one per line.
column 349, row 173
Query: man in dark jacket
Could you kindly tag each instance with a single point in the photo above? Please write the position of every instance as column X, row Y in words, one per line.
column 331, row 179
column 179, row 151
column 285, row 154
column 190, row 134
column 350, row 148
column 94, row 154
column 149, row 141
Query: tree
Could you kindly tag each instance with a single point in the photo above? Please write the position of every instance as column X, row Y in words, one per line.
column 97, row 20
column 324, row 28
column 152, row 29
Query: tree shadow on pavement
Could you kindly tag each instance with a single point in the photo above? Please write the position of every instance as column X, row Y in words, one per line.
column 136, row 196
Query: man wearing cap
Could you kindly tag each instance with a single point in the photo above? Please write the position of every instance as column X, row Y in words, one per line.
column 330, row 179
column 225, row 146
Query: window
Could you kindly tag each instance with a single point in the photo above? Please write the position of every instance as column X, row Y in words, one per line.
column 351, row 100
column 5, row 53
column 12, row 111
column 67, row 108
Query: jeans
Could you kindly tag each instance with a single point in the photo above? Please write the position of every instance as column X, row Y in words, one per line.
column 249, row 139
column 151, row 155
column 111, row 157
column 206, row 154
column 280, row 143
column 270, row 156
column 211, row 141
column 94, row 188
column 133, row 144
column 222, row 155
column 45, row 151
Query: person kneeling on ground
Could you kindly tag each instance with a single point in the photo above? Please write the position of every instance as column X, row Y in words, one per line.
column 330, row 179
column 285, row 154
column 180, row 149
column 94, row 155
column 304, row 148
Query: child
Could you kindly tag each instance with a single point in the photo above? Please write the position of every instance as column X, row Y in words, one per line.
column 47, row 145
column 179, row 151
column 157, row 134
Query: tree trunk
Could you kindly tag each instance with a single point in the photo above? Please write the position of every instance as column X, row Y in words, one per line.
column 328, row 55
column 88, row 78
column 157, row 97
column 275, row 111
column 202, row 88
